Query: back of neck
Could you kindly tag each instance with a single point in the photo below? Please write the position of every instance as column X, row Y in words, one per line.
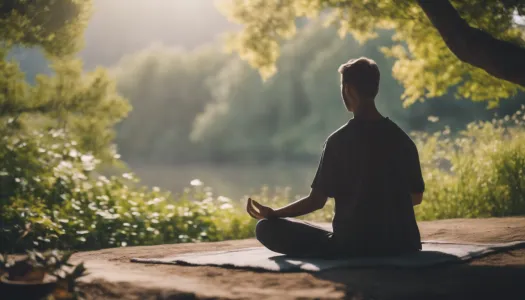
column 368, row 113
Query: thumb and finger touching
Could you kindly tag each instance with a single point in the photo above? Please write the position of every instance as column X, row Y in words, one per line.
column 251, row 210
column 258, row 205
column 257, row 210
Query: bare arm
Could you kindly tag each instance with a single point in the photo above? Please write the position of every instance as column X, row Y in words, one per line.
column 417, row 198
column 316, row 200
column 322, row 188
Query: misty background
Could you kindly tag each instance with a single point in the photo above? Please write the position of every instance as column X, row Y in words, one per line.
column 199, row 112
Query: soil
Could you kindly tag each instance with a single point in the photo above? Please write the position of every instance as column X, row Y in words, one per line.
column 497, row 276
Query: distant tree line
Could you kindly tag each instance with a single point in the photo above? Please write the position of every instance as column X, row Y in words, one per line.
column 206, row 105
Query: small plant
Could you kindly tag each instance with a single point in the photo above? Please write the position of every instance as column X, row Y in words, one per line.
column 41, row 274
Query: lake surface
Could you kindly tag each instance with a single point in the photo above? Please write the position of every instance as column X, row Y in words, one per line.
column 232, row 181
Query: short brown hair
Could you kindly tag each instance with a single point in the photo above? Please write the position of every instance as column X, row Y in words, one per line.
column 363, row 74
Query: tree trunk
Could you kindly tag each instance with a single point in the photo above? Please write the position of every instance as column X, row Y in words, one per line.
column 499, row 58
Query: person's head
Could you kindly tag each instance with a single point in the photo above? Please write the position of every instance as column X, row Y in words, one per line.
column 359, row 83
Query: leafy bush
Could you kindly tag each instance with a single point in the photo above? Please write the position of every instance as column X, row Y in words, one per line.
column 478, row 173
column 53, row 198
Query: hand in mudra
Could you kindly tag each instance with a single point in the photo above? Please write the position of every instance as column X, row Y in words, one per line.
column 257, row 210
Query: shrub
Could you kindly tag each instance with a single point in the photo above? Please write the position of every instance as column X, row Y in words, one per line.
column 52, row 197
column 478, row 173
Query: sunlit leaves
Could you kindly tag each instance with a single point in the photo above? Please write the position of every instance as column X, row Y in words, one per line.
column 426, row 67
column 86, row 104
column 267, row 23
column 477, row 173
column 54, row 25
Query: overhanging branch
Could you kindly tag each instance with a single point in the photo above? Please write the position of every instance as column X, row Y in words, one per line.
column 471, row 45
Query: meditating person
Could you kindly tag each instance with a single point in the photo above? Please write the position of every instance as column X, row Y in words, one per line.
column 371, row 168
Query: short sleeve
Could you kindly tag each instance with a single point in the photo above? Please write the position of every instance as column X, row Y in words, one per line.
column 327, row 173
column 415, row 177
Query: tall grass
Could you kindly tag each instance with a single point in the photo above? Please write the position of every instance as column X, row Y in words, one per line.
column 477, row 173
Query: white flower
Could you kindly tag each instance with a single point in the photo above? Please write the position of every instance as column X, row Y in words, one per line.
column 226, row 206
column 155, row 201
column 88, row 161
column 87, row 158
column 73, row 153
column 196, row 182
column 92, row 206
column 223, row 199
column 107, row 215
column 433, row 119
column 87, row 185
column 103, row 179
column 64, row 165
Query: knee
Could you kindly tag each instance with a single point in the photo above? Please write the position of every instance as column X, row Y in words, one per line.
column 264, row 230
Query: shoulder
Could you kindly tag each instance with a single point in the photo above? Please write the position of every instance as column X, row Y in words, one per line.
column 340, row 134
column 403, row 137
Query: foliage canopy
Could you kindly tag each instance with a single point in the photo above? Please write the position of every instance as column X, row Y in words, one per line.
column 54, row 25
column 424, row 64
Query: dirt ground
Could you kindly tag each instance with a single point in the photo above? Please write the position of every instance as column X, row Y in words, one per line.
column 497, row 276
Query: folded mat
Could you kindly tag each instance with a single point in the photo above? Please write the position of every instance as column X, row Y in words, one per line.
column 260, row 258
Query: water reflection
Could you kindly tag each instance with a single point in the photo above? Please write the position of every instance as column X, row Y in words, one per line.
column 233, row 181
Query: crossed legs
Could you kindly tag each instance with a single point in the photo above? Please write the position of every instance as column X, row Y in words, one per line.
column 295, row 238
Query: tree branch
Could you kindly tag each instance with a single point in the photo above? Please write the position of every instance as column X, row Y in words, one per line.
column 471, row 45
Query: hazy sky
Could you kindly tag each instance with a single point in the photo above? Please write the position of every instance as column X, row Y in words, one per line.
column 120, row 27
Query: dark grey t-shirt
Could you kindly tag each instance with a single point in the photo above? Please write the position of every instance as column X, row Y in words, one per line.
column 371, row 167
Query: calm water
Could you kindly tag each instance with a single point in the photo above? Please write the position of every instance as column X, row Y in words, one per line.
column 233, row 181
